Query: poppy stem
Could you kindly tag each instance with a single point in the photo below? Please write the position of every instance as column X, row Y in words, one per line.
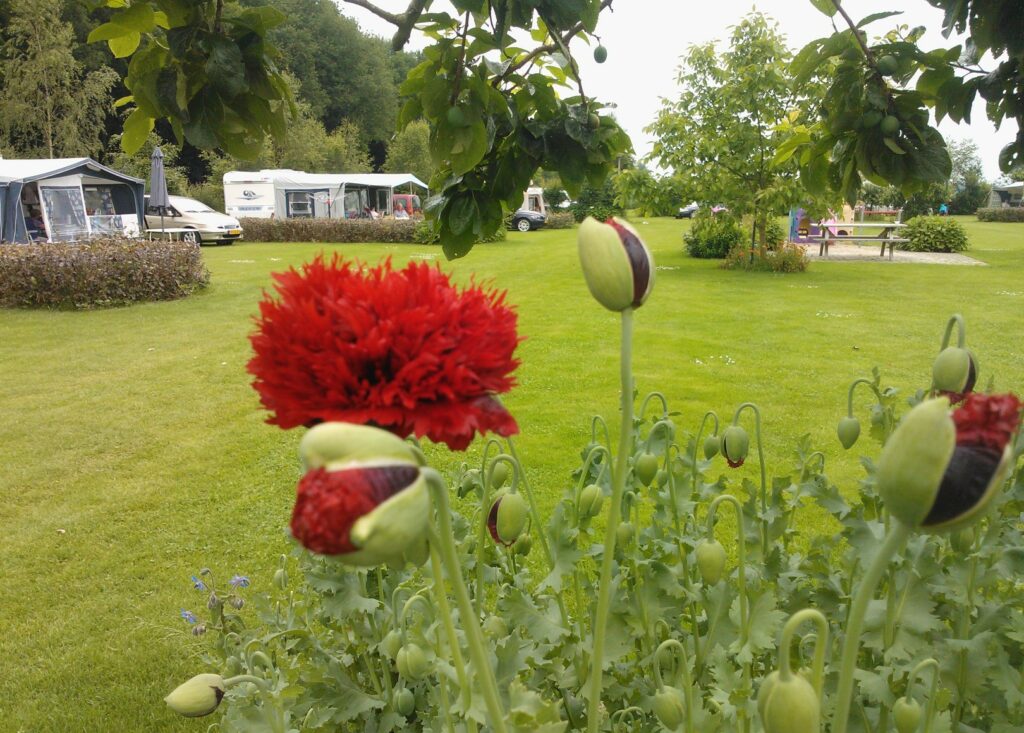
column 697, row 447
column 961, row 331
column 894, row 541
column 820, row 646
column 443, row 539
column 764, row 477
column 441, row 599
column 614, row 510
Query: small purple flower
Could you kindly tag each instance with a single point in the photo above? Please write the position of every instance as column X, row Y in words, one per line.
column 198, row 584
column 239, row 581
column 188, row 616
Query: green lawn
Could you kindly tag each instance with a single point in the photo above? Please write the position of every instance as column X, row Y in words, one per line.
column 134, row 452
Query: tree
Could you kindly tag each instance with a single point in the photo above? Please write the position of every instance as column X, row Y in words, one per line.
column 49, row 106
column 721, row 132
column 970, row 190
column 345, row 151
column 874, row 122
column 409, row 151
column 139, row 164
column 638, row 188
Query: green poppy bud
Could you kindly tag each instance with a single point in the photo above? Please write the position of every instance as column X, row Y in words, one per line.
column 670, row 707
column 848, row 431
column 710, row 447
column 507, row 518
column 499, row 475
column 495, row 627
column 710, row 561
column 907, row 715
column 470, row 482
column 391, row 644
column 734, row 445
column 661, row 478
column 198, row 697
column 963, row 541
column 281, row 578
column 646, row 468
column 591, row 498
column 523, row 545
column 341, row 443
column 617, row 265
column 623, row 534
column 789, row 706
column 412, row 662
column 954, row 372
column 405, row 702
column 940, row 472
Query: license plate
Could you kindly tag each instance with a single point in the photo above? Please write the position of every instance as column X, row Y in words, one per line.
column 234, row 231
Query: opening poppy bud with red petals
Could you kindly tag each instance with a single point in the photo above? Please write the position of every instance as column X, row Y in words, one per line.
column 507, row 518
column 940, row 471
column 735, row 445
column 617, row 265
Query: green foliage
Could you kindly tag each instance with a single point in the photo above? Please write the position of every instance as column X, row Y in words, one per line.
column 596, row 201
column 409, row 151
column 50, row 106
column 139, row 164
column 713, row 236
column 560, row 220
column 934, row 234
column 970, row 190
column 775, row 233
column 331, row 230
column 99, row 273
column 637, row 188
column 720, row 134
column 783, row 258
column 1004, row 213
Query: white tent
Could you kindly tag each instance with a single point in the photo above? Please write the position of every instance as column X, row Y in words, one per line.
column 284, row 193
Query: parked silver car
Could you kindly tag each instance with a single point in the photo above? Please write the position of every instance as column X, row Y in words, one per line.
column 203, row 223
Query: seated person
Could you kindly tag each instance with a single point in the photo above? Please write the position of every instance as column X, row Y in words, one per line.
column 34, row 222
column 400, row 212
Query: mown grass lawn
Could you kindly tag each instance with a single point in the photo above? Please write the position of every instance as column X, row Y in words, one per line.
column 134, row 453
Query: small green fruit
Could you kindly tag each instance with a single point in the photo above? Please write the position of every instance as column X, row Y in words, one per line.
column 456, row 117
column 412, row 663
column 405, row 702
column 593, row 121
column 670, row 707
column 870, row 119
column 711, row 561
column 907, row 715
column 848, row 431
column 890, row 125
column 851, row 54
column 646, row 468
column 591, row 498
column 623, row 534
column 888, row 65
column 600, row 54
column 391, row 644
column 711, row 446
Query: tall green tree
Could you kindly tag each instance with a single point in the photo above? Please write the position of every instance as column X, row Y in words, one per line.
column 721, row 132
column 970, row 190
column 49, row 106
column 409, row 151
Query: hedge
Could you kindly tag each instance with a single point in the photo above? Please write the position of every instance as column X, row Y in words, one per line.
column 1002, row 214
column 560, row 220
column 342, row 231
column 934, row 234
column 99, row 273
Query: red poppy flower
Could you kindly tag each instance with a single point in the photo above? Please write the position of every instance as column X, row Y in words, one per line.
column 403, row 350
column 987, row 421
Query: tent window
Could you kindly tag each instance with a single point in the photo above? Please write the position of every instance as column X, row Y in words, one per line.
column 65, row 212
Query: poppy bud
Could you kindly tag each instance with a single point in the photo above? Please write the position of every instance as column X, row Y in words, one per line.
column 734, row 445
column 591, row 499
column 412, row 662
column 907, row 715
column 710, row 561
column 954, row 372
column 523, row 545
column 495, row 627
column 281, row 578
column 848, row 431
column 710, row 447
column 391, row 644
column 617, row 265
column 507, row 518
column 788, row 705
column 940, row 472
column 499, row 475
column 669, row 707
column 963, row 540
column 198, row 697
column 470, row 481
column 646, row 468
column 340, row 443
column 405, row 702
column 623, row 534
column 661, row 478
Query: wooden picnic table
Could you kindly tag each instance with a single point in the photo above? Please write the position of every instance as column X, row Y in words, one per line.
column 887, row 234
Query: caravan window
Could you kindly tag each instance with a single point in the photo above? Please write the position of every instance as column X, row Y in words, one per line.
column 65, row 212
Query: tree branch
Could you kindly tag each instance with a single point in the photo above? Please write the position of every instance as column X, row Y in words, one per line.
column 404, row 21
column 551, row 47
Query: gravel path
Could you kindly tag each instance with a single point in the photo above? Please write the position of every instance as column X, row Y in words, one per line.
column 863, row 253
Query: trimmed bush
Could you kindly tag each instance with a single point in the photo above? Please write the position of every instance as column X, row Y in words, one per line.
column 560, row 220
column 98, row 273
column 784, row 258
column 934, row 234
column 1002, row 214
column 342, row 231
column 712, row 236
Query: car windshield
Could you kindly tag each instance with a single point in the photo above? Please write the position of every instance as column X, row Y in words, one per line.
column 190, row 206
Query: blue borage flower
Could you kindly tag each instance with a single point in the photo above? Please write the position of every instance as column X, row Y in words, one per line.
column 198, row 584
column 239, row 581
column 188, row 616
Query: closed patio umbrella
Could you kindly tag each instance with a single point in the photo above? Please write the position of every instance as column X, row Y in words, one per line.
column 158, row 184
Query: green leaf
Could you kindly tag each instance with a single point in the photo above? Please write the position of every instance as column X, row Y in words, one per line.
column 107, row 31
column 825, row 6
column 462, row 214
column 225, row 67
column 124, row 46
column 878, row 16
column 137, row 127
column 139, row 17
column 893, row 146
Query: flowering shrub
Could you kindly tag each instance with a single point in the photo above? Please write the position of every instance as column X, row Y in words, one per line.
column 98, row 273
column 643, row 624
column 934, row 234
column 1001, row 214
column 342, row 231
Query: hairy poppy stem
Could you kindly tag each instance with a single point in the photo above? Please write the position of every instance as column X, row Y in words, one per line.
column 442, row 539
column 441, row 598
column 764, row 476
column 614, row 510
column 893, row 543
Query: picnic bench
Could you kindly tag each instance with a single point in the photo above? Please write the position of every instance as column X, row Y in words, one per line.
column 887, row 235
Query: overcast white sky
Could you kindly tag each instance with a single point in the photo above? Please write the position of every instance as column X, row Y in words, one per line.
column 645, row 39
